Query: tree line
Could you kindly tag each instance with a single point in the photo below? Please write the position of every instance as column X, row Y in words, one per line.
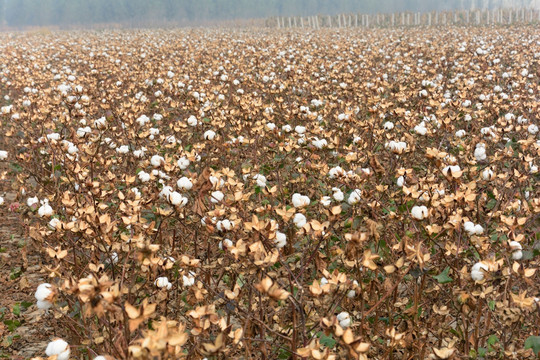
column 23, row 13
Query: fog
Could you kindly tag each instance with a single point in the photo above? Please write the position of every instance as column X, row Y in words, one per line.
column 82, row 13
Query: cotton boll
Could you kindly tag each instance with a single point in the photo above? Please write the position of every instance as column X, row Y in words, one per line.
column 209, row 135
column 419, row 212
column 280, row 240
column 532, row 129
column 192, row 121
column 286, row 128
column 3, row 155
column 300, row 129
column 478, row 229
column 163, row 283
column 460, row 133
column 166, row 191
column 517, row 255
column 514, row 245
column 184, row 183
column 480, row 152
column 143, row 176
column 452, row 171
column 299, row 220
column 354, row 197
column 176, row 199
column 188, row 280
column 32, row 201
column 344, row 319
column 44, row 295
column 143, row 119
column 260, row 179
column 45, row 210
column 468, row 226
column 53, row 224
column 388, row 125
column 270, row 126
column 487, row 174
column 58, row 347
column 183, row 163
column 477, row 271
column 400, row 181
column 300, row 201
column 216, row 196
column 326, row 201
column 157, row 161
column 338, row 194
column 336, row 172
column 421, row 129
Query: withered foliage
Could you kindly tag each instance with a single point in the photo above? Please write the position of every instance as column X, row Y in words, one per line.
column 415, row 151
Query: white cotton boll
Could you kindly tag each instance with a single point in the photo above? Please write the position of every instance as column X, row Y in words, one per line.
column 177, row 199
column 45, row 210
column 300, row 129
column 532, row 129
column 280, row 240
column 166, row 191
column 163, row 282
column 388, row 125
column 143, row 119
column 336, row 172
column 124, row 149
column 192, row 121
column 184, row 183
column 58, row 347
column 32, row 201
column 319, row 143
column 157, row 160
column 338, row 194
column 53, row 136
column 480, row 153
column 3, row 155
column 270, row 126
column 287, row 128
column 209, row 135
column 143, row 176
column 468, row 226
column 517, row 255
column 260, row 179
column 400, row 181
column 450, row 170
column 100, row 357
column 478, row 229
column 53, row 224
column 324, row 281
column 224, row 225
column 419, row 212
column 216, row 196
column 344, row 319
column 423, row 93
column 420, row 129
column 326, row 201
column 487, row 174
column 299, row 200
column 515, row 246
column 460, row 133
column 477, row 271
column 44, row 292
column 183, row 163
column 354, row 197
column 100, row 123
column 299, row 220
column 188, row 280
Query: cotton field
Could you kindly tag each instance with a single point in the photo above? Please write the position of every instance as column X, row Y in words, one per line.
column 264, row 194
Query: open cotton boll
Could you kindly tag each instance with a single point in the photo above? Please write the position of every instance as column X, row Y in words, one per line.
column 280, row 240
column 189, row 279
column 478, row 229
column 400, row 181
column 421, row 129
column 260, row 179
column 287, row 128
column 32, row 201
column 338, row 194
column 58, row 347
column 344, row 319
column 477, row 271
column 183, row 163
column 192, row 121
column 166, row 191
column 270, row 126
column 300, row 129
column 452, row 171
column 54, row 223
column 419, row 212
column 176, row 199
column 487, row 174
column 224, row 225
column 45, row 210
column 299, row 200
column 532, row 129
column 209, row 135
column 299, row 220
column 184, row 183
column 143, row 176
column 163, row 282
column 143, row 119
column 216, row 196
column 460, row 133
column 157, row 160
column 3, row 155
column 354, row 197
column 44, row 295
column 335, row 172
column 480, row 152
column 326, row 201
column 468, row 226
column 388, row 125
